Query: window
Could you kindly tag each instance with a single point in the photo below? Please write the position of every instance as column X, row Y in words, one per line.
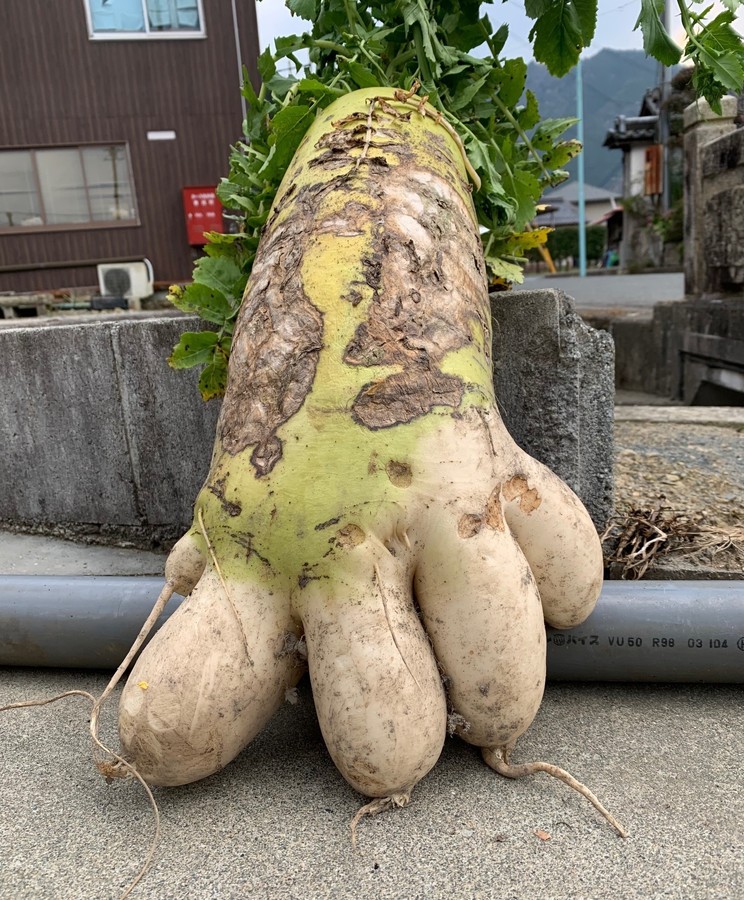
column 130, row 19
column 66, row 187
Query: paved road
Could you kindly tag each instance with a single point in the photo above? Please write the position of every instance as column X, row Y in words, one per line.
column 612, row 291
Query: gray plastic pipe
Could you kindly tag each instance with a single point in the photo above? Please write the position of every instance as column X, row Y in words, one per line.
column 683, row 631
column 87, row 621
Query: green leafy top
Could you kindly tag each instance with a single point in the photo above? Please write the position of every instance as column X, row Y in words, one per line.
column 713, row 46
column 369, row 43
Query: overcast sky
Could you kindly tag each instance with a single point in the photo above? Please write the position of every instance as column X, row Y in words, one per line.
column 615, row 22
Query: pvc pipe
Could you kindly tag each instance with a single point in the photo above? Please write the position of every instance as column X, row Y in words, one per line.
column 81, row 622
column 666, row 631
column 683, row 631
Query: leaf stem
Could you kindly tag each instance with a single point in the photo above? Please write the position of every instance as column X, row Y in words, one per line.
column 511, row 119
column 338, row 49
column 363, row 50
column 688, row 25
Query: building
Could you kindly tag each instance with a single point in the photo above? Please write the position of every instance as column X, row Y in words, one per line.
column 562, row 205
column 637, row 137
column 109, row 109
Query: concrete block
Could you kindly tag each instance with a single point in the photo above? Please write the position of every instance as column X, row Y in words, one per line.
column 97, row 432
column 554, row 380
column 65, row 453
column 170, row 429
column 635, row 349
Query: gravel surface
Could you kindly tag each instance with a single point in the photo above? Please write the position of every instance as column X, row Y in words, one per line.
column 694, row 470
column 698, row 469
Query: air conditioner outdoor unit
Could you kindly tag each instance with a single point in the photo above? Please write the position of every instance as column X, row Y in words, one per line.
column 130, row 281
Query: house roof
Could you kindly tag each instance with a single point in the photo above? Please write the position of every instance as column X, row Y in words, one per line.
column 561, row 206
column 570, row 193
column 627, row 131
column 558, row 214
column 640, row 129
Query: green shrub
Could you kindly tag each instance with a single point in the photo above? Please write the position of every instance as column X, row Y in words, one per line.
column 565, row 242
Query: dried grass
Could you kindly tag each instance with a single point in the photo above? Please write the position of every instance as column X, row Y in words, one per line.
column 638, row 538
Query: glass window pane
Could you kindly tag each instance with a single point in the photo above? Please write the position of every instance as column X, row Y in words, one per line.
column 109, row 189
column 173, row 15
column 188, row 14
column 116, row 15
column 62, row 187
column 19, row 199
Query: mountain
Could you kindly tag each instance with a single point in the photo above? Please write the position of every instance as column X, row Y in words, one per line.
column 614, row 84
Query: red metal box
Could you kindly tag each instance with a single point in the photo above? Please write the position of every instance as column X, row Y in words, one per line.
column 202, row 211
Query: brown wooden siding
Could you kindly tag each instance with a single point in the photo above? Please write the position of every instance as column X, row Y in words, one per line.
column 59, row 87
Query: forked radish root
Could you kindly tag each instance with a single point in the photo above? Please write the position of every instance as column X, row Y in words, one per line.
column 364, row 492
column 360, row 462
column 364, row 497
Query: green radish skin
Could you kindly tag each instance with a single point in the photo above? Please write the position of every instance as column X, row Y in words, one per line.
column 361, row 470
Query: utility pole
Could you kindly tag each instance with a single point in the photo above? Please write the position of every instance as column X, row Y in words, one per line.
column 580, row 135
column 665, row 90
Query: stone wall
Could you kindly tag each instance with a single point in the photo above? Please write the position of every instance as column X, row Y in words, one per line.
column 99, row 437
column 714, row 200
column 722, row 163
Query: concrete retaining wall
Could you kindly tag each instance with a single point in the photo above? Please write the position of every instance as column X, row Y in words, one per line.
column 100, row 437
column 98, row 433
column 554, row 380
column 685, row 348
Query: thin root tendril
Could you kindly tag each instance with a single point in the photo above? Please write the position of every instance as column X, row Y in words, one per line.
column 498, row 760
column 378, row 805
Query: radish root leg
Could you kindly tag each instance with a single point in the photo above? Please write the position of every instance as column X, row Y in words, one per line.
column 378, row 805
column 497, row 759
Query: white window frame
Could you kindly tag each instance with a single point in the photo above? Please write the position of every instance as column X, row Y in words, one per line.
column 91, row 224
column 146, row 35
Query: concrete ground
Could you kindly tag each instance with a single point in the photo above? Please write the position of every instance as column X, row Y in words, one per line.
column 32, row 554
column 666, row 761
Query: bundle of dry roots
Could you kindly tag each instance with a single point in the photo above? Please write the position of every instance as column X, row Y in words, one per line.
column 636, row 539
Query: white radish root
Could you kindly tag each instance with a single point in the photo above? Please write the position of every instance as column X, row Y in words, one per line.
column 497, row 759
column 206, row 685
column 481, row 610
column 376, row 686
